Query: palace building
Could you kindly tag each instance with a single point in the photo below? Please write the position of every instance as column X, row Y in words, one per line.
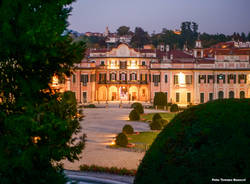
column 130, row 74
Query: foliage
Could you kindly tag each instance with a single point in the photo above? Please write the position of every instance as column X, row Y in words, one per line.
column 36, row 122
column 127, row 129
column 156, row 125
column 134, row 115
column 156, row 116
column 111, row 170
column 193, row 142
column 174, row 108
column 140, row 38
column 160, row 99
column 138, row 106
column 121, row 140
column 123, row 30
column 166, row 116
column 90, row 106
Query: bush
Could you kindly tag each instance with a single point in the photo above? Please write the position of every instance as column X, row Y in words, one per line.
column 192, row 149
column 128, row 129
column 134, row 115
column 112, row 170
column 138, row 106
column 121, row 140
column 156, row 125
column 174, row 108
column 90, row 106
column 156, row 116
column 160, row 99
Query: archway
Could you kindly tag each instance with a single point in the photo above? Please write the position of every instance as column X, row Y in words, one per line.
column 242, row 94
column 102, row 93
column 113, row 93
column 220, row 95
column 143, row 94
column 133, row 93
column 231, row 94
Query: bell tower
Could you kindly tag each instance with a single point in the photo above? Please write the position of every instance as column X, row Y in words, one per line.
column 198, row 50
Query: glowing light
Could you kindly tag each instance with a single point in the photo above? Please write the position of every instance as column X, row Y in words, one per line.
column 181, row 79
column 36, row 139
column 248, row 79
column 112, row 143
column 133, row 65
column 54, row 81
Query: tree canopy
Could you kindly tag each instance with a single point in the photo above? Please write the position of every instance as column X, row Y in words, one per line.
column 36, row 122
column 123, row 30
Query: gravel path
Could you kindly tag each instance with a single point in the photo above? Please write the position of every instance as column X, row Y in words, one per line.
column 101, row 126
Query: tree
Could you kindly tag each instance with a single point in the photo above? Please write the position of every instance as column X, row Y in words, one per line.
column 36, row 122
column 191, row 149
column 140, row 38
column 248, row 37
column 160, row 99
column 123, row 30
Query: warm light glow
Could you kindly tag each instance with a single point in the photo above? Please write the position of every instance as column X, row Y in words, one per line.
column 54, row 81
column 248, row 79
column 181, row 79
column 133, row 65
column 36, row 139
column 112, row 143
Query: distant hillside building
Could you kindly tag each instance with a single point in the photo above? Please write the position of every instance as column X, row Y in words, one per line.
column 129, row 74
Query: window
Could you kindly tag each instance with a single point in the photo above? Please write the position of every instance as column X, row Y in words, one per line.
column 166, row 78
column 102, row 77
column 210, row 78
column 133, row 76
column 143, row 77
column 177, row 95
column 211, row 96
column 156, row 79
column 74, row 78
column 242, row 77
column 143, row 63
column 201, row 97
column 123, row 64
column 123, row 76
column 102, row 63
column 84, row 79
column 112, row 76
column 231, row 77
column 242, row 94
column 176, row 79
column 188, row 79
column 220, row 95
column 84, row 95
column 188, row 97
column 231, row 94
column 202, row 77
column 221, row 77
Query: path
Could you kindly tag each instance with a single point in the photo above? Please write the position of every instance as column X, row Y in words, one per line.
column 101, row 126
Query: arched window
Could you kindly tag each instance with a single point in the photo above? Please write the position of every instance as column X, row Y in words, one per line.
column 242, row 94
column 231, row 94
column 220, row 95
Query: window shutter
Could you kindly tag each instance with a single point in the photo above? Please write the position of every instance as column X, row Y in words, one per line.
column 146, row 77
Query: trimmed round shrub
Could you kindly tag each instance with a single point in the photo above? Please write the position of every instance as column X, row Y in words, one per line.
column 121, row 140
column 156, row 125
column 156, row 116
column 203, row 142
column 160, row 99
column 128, row 129
column 134, row 115
column 138, row 106
column 174, row 108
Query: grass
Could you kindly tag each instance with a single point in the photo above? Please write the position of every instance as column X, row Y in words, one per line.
column 167, row 116
column 142, row 141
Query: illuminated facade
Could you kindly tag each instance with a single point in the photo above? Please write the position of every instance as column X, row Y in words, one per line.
column 129, row 74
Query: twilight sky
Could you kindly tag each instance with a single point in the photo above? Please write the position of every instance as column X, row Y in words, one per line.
column 213, row 16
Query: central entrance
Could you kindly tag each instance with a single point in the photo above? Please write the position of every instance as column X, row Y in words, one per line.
column 123, row 93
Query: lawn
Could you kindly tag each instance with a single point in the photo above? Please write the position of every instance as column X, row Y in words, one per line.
column 167, row 116
column 141, row 141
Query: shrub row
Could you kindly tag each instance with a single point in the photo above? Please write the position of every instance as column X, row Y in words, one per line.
column 157, row 122
column 111, row 170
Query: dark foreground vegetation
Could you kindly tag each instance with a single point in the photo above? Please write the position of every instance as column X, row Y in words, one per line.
column 203, row 142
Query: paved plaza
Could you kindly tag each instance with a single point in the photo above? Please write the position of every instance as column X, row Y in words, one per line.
column 101, row 126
